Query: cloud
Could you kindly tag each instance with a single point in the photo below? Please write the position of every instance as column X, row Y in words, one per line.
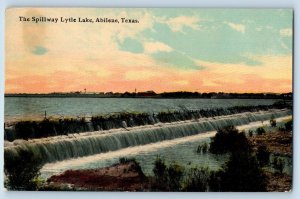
column 287, row 32
column 182, row 82
column 151, row 55
column 271, row 67
column 178, row 23
column 153, row 47
column 238, row 27
column 141, row 75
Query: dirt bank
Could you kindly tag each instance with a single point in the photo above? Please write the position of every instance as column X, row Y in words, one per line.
column 278, row 143
column 121, row 177
column 278, row 182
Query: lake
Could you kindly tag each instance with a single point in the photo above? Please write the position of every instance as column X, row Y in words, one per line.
column 20, row 108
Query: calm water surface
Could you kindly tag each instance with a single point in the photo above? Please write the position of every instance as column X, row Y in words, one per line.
column 18, row 108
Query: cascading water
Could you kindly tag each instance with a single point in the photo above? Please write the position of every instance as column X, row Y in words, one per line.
column 65, row 147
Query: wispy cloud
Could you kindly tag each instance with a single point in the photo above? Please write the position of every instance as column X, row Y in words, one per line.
column 141, row 75
column 238, row 27
column 287, row 32
column 178, row 23
column 153, row 47
column 150, row 55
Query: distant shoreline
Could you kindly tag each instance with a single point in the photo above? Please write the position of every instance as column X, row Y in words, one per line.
column 152, row 95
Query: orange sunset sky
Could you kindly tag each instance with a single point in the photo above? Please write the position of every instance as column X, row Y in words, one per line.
column 202, row 50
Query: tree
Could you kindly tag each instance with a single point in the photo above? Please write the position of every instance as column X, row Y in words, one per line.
column 175, row 174
column 229, row 139
column 289, row 125
column 167, row 178
column 263, row 155
column 242, row 173
column 260, row 131
column 273, row 121
column 22, row 169
column 160, row 174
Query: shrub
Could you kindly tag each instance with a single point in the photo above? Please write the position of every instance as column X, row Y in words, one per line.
column 175, row 174
column 250, row 133
column 289, row 125
column 278, row 164
column 22, row 170
column 273, row 121
column 124, row 160
column 46, row 128
column 260, row 131
column 214, row 183
column 203, row 148
column 167, row 178
column 242, row 173
column 263, row 155
column 197, row 179
column 160, row 174
column 229, row 139
column 25, row 129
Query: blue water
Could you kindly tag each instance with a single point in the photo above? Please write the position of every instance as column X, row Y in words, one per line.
column 19, row 108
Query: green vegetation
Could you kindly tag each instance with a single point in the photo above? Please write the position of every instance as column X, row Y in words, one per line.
column 263, row 155
column 123, row 160
column 278, row 164
column 250, row 133
column 22, row 170
column 273, row 121
column 283, row 97
column 260, row 131
column 203, row 148
column 175, row 174
column 289, row 125
column 197, row 179
column 242, row 173
column 228, row 139
column 120, row 120
column 160, row 174
column 46, row 128
column 243, row 170
column 167, row 178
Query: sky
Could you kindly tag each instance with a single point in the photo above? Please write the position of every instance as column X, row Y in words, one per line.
column 202, row 50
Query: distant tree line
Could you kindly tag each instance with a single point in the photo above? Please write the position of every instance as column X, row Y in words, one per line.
column 152, row 94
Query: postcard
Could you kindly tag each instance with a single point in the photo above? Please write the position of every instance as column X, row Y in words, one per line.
column 148, row 99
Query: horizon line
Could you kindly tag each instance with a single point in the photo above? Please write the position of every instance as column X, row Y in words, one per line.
column 101, row 92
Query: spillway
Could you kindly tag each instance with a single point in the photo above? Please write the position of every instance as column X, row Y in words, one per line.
column 83, row 144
